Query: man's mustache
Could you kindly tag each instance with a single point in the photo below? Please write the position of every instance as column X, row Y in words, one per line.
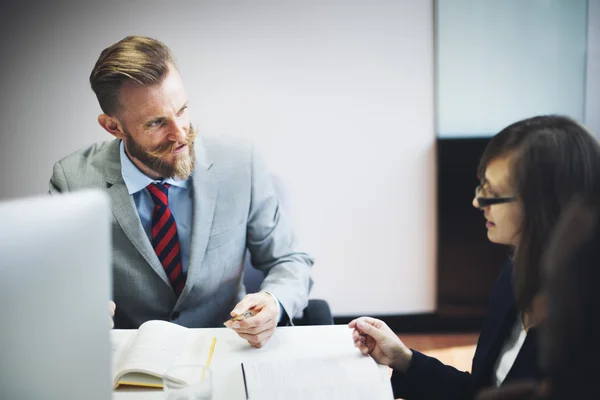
column 164, row 149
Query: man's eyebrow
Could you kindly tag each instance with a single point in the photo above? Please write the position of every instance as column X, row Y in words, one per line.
column 184, row 106
column 153, row 120
column 159, row 119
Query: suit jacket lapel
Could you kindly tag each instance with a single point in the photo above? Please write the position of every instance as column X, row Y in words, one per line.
column 504, row 310
column 526, row 363
column 506, row 323
column 124, row 209
column 205, row 187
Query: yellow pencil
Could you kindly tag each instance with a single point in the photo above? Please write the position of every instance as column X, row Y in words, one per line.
column 210, row 354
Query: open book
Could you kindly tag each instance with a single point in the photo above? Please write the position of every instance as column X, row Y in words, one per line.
column 327, row 378
column 156, row 347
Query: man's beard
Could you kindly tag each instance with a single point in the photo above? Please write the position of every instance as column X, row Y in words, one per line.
column 181, row 167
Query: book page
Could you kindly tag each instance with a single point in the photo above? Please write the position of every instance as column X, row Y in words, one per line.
column 140, row 379
column 324, row 378
column 159, row 346
column 120, row 346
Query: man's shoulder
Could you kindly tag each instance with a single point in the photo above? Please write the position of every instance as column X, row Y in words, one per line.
column 89, row 154
column 227, row 148
column 91, row 165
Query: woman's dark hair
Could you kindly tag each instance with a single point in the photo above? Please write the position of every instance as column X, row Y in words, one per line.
column 569, row 345
column 554, row 159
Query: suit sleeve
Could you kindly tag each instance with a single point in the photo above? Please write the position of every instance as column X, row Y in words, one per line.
column 273, row 246
column 428, row 378
column 58, row 181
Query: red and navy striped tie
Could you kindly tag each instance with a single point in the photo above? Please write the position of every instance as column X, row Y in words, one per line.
column 164, row 236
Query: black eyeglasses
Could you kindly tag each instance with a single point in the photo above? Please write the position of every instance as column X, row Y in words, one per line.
column 483, row 202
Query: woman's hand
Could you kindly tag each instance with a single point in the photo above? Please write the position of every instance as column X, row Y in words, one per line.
column 372, row 336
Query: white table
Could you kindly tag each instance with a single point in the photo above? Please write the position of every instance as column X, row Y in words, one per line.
column 230, row 350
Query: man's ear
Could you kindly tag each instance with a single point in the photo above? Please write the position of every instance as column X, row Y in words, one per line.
column 111, row 125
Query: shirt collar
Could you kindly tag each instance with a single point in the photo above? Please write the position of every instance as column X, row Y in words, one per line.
column 136, row 180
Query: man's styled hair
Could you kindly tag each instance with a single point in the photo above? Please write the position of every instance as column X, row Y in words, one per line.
column 138, row 59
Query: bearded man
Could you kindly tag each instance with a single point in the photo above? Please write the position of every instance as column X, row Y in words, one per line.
column 185, row 209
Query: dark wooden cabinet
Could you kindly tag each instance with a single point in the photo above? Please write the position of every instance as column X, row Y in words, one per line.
column 468, row 263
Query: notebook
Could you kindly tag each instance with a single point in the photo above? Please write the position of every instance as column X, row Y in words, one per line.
column 156, row 347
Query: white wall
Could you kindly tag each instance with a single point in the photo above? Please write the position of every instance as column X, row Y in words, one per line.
column 337, row 95
column 501, row 61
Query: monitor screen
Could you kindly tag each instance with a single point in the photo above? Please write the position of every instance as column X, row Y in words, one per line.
column 55, row 274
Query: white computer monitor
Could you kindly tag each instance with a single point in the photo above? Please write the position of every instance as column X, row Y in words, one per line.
column 55, row 284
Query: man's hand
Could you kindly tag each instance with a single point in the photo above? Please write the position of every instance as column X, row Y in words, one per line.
column 375, row 338
column 258, row 328
column 111, row 312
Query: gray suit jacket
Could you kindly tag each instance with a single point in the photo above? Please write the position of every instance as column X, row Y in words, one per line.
column 234, row 208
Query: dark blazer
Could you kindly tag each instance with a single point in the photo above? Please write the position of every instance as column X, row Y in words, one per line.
column 428, row 378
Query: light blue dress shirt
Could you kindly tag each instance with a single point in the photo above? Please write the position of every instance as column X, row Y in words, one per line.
column 180, row 203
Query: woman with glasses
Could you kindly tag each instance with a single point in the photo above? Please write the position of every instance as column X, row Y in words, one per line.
column 567, row 311
column 528, row 172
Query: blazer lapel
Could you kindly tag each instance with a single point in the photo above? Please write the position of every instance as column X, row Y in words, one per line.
column 506, row 323
column 504, row 310
column 205, row 187
column 124, row 210
column 526, row 364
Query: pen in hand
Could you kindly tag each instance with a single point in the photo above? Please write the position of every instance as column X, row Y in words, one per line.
column 245, row 315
